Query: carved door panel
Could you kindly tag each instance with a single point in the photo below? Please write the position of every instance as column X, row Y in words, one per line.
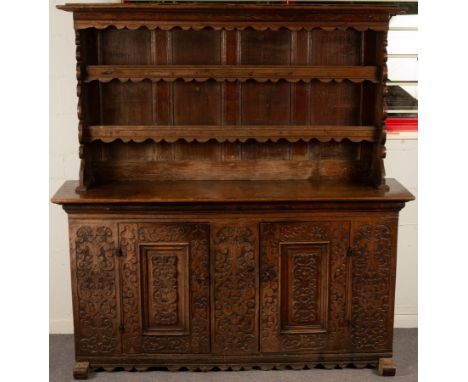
column 94, row 272
column 303, row 289
column 373, row 264
column 165, row 287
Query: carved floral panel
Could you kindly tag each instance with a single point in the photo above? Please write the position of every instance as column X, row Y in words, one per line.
column 96, row 304
column 165, row 273
column 235, row 269
column 373, row 277
column 165, row 288
column 304, row 286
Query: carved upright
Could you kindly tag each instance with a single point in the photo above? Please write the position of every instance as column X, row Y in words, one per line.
column 232, row 209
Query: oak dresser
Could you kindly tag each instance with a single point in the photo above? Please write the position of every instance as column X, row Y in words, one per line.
column 232, row 209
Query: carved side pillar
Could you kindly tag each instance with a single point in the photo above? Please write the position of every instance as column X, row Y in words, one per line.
column 381, row 114
column 85, row 176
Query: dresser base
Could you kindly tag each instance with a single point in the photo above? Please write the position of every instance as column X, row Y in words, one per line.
column 233, row 285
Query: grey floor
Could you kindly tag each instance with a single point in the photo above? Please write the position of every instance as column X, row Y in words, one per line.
column 405, row 351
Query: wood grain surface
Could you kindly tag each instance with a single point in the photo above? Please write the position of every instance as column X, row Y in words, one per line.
column 229, row 191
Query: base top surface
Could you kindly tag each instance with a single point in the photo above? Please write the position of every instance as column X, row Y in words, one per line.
column 229, row 191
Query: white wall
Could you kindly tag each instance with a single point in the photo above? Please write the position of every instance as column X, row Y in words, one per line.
column 64, row 163
column 401, row 163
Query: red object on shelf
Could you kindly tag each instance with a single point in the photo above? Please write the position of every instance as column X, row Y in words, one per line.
column 401, row 124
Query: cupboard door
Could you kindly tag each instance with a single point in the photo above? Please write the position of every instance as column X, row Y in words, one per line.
column 165, row 287
column 373, row 264
column 94, row 271
column 303, row 288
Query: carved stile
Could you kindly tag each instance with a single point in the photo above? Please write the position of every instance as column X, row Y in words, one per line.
column 97, row 308
column 235, row 289
column 372, row 273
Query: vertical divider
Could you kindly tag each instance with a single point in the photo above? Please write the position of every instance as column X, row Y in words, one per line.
column 229, row 56
column 309, row 85
column 238, row 60
column 170, row 89
column 292, row 88
column 361, row 100
column 223, row 60
column 170, row 59
column 99, row 55
column 223, row 91
column 308, row 89
column 102, row 149
column 154, row 86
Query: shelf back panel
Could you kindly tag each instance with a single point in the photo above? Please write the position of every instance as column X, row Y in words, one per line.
column 210, row 47
column 348, row 63
column 216, row 104
column 150, row 161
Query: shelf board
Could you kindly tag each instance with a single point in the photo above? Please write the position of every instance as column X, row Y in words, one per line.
column 223, row 191
column 242, row 73
column 231, row 133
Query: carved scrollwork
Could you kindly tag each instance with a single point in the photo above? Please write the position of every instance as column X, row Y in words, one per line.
column 130, row 291
column 98, row 331
column 165, row 344
column 305, row 286
column 268, row 273
column 165, row 290
column 222, row 79
column 371, row 274
column 235, row 267
column 187, row 137
column 166, row 26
